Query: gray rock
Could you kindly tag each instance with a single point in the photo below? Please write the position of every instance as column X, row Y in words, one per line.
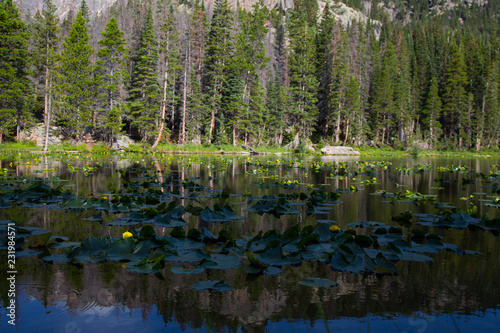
column 122, row 142
column 37, row 134
column 339, row 150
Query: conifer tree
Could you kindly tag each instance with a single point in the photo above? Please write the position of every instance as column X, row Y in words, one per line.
column 492, row 105
column 14, row 84
column 248, row 59
column 219, row 50
column 455, row 97
column 145, row 92
column 113, row 75
column 303, row 80
column 170, row 55
column 336, row 110
column 432, row 114
column 74, row 80
column 383, row 107
column 354, row 123
column 45, row 36
column 324, row 57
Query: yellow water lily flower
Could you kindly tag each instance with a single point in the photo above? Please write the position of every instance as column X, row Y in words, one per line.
column 127, row 234
column 334, row 228
column 104, row 198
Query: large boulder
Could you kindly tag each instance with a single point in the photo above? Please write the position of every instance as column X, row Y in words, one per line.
column 37, row 134
column 122, row 141
column 339, row 150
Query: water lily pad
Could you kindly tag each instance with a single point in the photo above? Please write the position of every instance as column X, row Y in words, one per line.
column 181, row 269
column 211, row 285
column 318, row 282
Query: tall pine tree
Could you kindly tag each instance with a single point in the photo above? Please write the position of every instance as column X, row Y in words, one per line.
column 74, row 81
column 145, row 92
column 14, row 84
column 113, row 75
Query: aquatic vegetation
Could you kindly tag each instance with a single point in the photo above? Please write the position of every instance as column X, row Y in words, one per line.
column 155, row 202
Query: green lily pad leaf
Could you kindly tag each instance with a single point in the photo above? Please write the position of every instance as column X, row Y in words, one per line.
column 271, row 270
column 27, row 253
column 340, row 261
column 366, row 224
column 326, row 222
column 181, row 269
column 125, row 223
column 318, row 282
column 148, row 265
column 185, row 256
column 412, row 256
column 323, row 230
column 57, row 259
column 188, row 244
column 222, row 261
column 381, row 265
column 121, row 250
column 211, row 285
column 64, row 245
column 291, row 259
column 363, row 241
column 97, row 218
column 321, row 247
column 91, row 245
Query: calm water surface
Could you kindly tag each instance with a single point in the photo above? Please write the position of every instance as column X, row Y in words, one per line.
column 454, row 293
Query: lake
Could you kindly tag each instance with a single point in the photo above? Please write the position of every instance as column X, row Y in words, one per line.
column 272, row 243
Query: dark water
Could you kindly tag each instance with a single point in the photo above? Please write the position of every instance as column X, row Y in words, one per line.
column 454, row 293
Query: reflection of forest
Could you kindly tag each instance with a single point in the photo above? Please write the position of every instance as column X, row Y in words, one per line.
column 257, row 300
column 451, row 283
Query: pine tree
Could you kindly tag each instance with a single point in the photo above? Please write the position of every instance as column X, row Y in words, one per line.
column 492, row 106
column 336, row 110
column 84, row 9
column 383, row 107
column 170, row 67
column 248, row 59
column 303, row 81
column 276, row 110
column 404, row 119
column 354, row 124
column 324, row 57
column 46, row 40
column 14, row 84
column 455, row 97
column 113, row 76
column 432, row 114
column 145, row 93
column 219, row 50
column 74, row 80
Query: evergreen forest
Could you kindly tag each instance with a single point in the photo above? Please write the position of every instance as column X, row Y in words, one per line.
column 416, row 72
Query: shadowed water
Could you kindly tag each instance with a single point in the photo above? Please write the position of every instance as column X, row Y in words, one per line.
column 455, row 293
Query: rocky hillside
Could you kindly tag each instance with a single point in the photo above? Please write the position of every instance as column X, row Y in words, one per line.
column 342, row 12
column 96, row 7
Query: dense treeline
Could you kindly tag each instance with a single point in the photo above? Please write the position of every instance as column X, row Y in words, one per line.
column 168, row 70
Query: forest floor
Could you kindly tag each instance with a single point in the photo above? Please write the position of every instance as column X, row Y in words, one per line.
column 228, row 149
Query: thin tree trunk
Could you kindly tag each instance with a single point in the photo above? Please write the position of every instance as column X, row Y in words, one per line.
column 172, row 117
column 184, row 93
column 346, row 131
column 337, row 131
column 162, row 120
column 46, row 145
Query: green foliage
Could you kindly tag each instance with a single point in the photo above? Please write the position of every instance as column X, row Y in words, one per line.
column 145, row 89
column 74, row 80
column 14, row 84
column 112, row 75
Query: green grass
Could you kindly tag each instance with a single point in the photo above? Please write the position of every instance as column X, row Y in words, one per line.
column 65, row 145
column 194, row 148
column 389, row 151
column 18, row 146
